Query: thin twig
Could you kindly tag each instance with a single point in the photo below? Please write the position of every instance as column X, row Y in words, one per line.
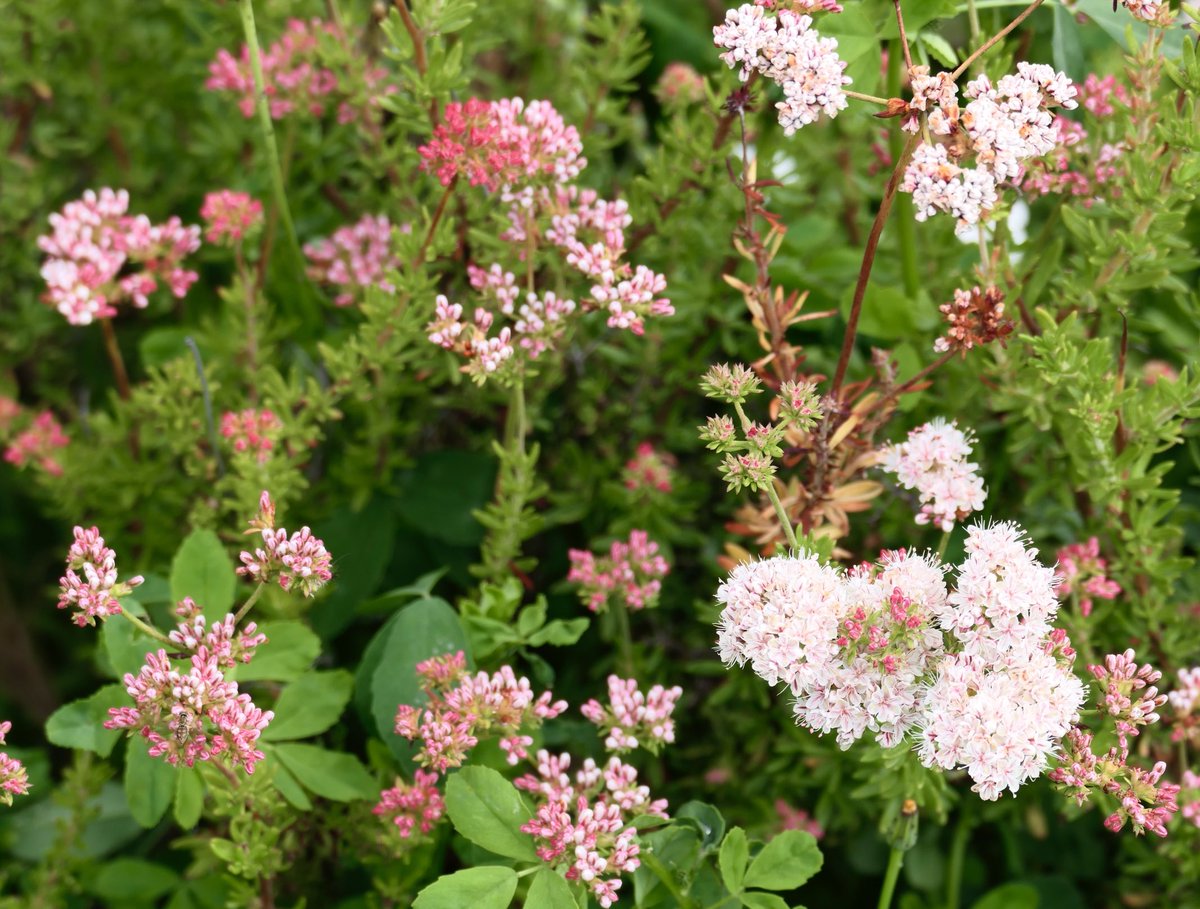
column 903, row 35
column 114, row 356
column 437, row 216
column 420, row 60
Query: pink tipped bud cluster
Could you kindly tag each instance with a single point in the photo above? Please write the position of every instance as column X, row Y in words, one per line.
column 629, row 575
column 99, row 256
column 294, row 77
column 224, row 642
column 1185, row 706
column 299, row 561
column 788, row 51
column 415, row 808
column 501, row 143
column 1130, row 697
column 251, row 431
column 230, row 216
column 976, row 674
column 33, row 442
column 679, row 85
column 355, row 257
column 1000, row 127
column 583, row 824
column 797, row 819
column 90, row 586
column 13, row 778
column 462, row 707
column 933, row 460
column 631, row 719
column 1083, row 573
column 649, row 470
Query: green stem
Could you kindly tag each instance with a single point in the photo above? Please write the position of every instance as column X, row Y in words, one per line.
column 268, row 131
column 147, row 628
column 784, row 520
column 624, row 639
column 958, row 851
column 515, row 430
column 973, row 24
column 942, row 544
column 241, row 613
column 906, row 222
column 895, row 862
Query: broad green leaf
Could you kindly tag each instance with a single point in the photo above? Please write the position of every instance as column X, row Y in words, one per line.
column 149, row 783
column 125, row 645
column 1065, row 44
column 940, row 49
column 126, row 880
column 362, row 542
column 549, row 890
column 858, row 45
column 756, row 899
column 786, row 862
column 79, row 724
column 34, row 833
column 559, row 632
column 917, row 13
column 203, row 571
column 290, row 649
column 438, row 496
column 288, row 786
column 707, row 819
column 309, row 705
column 189, row 797
column 735, row 853
column 488, row 887
column 1008, row 896
column 488, row 810
column 332, row 775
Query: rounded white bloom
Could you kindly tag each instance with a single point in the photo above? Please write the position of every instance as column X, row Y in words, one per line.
column 934, row 460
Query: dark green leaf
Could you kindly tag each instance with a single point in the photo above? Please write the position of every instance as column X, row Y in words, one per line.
column 79, row 724
column 332, row 775
column 735, row 853
column 489, row 811
column 756, row 899
column 290, row 649
column 786, row 862
column 549, row 890
column 203, row 571
column 126, row 880
column 189, row 797
column 706, row 819
column 1008, row 896
column 149, row 783
column 488, row 887
column 309, row 705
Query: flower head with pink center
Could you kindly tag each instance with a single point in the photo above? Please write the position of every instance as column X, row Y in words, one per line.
column 13, row 778
column 99, row 256
column 649, row 470
column 90, row 586
column 355, row 257
column 630, row 574
column 251, row 431
column 631, row 719
column 298, row 562
column 230, row 216
column 414, row 808
column 934, row 461
column 37, row 444
column 1083, row 573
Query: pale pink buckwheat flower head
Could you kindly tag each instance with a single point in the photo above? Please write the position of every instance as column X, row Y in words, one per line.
column 252, row 431
column 355, row 257
column 631, row 719
column 1185, row 706
column 90, row 585
column 13, row 778
column 629, row 575
column 414, row 808
column 649, row 470
column 298, row 562
column 1083, row 572
column 230, row 216
column 786, row 50
column 934, row 461
column 92, row 249
column 37, row 443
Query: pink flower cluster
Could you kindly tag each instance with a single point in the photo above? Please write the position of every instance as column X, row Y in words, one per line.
column 1083, row 572
column 1190, row 797
column 230, row 216
column 630, row 575
column 933, row 460
column 1185, row 706
column 649, row 470
column 36, row 443
column 90, row 586
column 1000, row 127
column 98, row 256
column 1147, row 10
column 415, row 806
column 251, row 430
column 501, row 143
column 196, row 714
column 300, row 560
column 584, row 823
column 462, row 707
column 1130, row 697
column 786, row 50
column 797, row 819
column 631, row 718
column 13, row 778
column 294, row 79
column 356, row 257
column 976, row 673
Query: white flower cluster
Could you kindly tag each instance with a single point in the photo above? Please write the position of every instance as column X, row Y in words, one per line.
column 786, row 50
column 935, row 461
column 975, row 674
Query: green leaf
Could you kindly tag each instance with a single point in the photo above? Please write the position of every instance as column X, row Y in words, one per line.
column 126, row 645
column 309, row 705
column 189, row 797
column 940, row 49
column 488, row 887
column 128, row 880
column 289, row 787
column 290, row 649
column 203, row 571
column 706, row 819
column 364, row 541
column 332, row 775
column 549, row 890
column 887, row 313
column 79, row 724
column 735, row 853
column 756, row 899
column 419, row 631
column 1065, row 44
column 917, row 13
column 559, row 632
column 438, row 496
column 786, row 862
column 149, row 783
column 487, row 809
column 1008, row 896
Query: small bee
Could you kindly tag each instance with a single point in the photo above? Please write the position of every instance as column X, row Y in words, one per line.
column 183, row 726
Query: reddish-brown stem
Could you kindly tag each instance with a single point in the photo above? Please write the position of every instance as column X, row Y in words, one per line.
column 991, row 42
column 266, row 893
column 864, row 272
column 903, row 36
column 114, row 357
column 437, row 216
column 419, row 59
